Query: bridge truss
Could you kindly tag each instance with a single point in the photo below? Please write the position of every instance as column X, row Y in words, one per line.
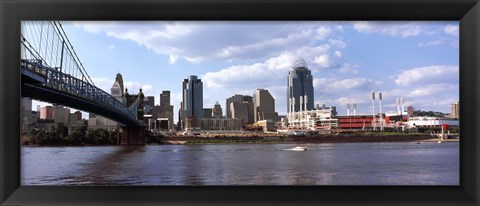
column 52, row 72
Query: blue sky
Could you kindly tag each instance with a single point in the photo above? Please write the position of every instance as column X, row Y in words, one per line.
column 415, row 60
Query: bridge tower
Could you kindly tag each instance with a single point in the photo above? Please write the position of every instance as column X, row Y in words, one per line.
column 133, row 135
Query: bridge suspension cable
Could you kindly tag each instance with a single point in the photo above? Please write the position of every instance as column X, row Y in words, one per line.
column 47, row 43
column 55, row 71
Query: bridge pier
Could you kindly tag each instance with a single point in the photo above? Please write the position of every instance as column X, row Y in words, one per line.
column 132, row 136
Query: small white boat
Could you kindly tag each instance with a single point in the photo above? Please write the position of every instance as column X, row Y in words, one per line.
column 297, row 148
column 439, row 141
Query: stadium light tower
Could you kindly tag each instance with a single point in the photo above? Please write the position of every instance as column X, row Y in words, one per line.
column 348, row 109
column 380, row 108
column 354, row 109
column 373, row 111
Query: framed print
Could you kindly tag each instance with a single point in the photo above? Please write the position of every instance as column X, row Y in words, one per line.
column 203, row 102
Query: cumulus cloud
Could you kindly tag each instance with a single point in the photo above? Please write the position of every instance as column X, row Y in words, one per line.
column 103, row 83
column 323, row 61
column 396, row 29
column 195, row 42
column 338, row 54
column 431, row 43
column 351, row 100
column 348, row 68
column 271, row 71
column 333, row 85
column 431, row 89
column 428, row 74
column 451, row 30
column 339, row 43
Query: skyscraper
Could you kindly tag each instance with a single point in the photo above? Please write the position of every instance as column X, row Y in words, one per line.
column 264, row 106
column 455, row 110
column 165, row 98
column 300, row 88
column 242, row 111
column 148, row 103
column 163, row 113
column 117, row 88
column 237, row 98
column 192, row 99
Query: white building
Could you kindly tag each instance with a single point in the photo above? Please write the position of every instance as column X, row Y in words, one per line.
column 220, row 124
column 322, row 118
column 100, row 122
column 431, row 122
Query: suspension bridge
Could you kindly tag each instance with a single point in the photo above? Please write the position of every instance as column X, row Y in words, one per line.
column 52, row 72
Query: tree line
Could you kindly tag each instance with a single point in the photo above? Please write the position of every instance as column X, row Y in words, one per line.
column 58, row 134
column 419, row 113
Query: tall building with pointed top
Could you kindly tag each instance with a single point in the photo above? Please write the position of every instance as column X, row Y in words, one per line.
column 300, row 88
column 118, row 88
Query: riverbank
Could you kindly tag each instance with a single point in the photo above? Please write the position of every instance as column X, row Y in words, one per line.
column 299, row 140
column 271, row 138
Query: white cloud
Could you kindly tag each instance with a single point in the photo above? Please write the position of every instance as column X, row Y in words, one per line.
column 339, row 28
column 338, row 54
column 103, row 83
column 348, row 68
column 271, row 71
column 172, row 59
column 323, row 32
column 431, row 43
column 428, row 74
column 342, row 101
column 134, row 88
column 195, row 42
column 337, row 43
column 335, row 84
column 234, row 51
column 323, row 61
column 268, row 72
column 396, row 29
column 428, row 90
column 451, row 30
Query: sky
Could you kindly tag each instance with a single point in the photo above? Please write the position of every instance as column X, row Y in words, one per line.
column 418, row 61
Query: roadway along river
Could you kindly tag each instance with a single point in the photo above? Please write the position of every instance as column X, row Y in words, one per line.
column 401, row 163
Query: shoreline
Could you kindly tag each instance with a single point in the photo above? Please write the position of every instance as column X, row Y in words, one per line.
column 290, row 143
column 300, row 140
column 318, row 139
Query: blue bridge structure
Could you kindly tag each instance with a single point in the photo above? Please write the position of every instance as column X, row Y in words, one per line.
column 52, row 72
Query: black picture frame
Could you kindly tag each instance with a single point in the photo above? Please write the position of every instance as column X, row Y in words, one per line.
column 14, row 11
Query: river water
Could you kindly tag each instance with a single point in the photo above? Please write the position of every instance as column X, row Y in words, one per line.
column 400, row 163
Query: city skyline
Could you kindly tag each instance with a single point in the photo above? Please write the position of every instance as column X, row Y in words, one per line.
column 414, row 60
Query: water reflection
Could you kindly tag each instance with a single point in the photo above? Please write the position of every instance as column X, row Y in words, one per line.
column 253, row 164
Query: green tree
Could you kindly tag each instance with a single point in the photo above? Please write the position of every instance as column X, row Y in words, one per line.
column 78, row 136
